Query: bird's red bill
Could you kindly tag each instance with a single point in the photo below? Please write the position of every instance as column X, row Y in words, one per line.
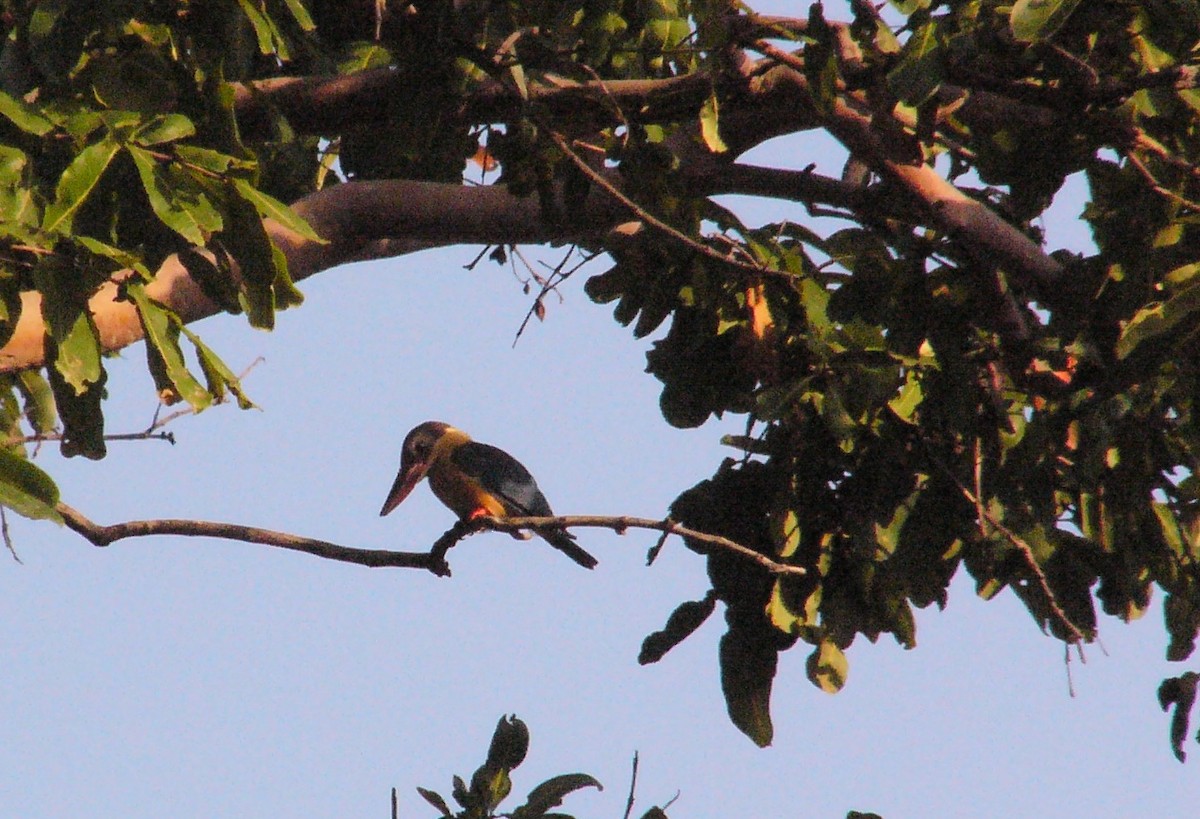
column 405, row 481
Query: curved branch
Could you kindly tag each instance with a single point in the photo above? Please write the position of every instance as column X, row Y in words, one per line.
column 434, row 560
column 359, row 220
column 101, row 535
column 867, row 138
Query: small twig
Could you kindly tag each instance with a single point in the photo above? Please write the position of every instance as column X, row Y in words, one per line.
column 101, row 535
column 619, row 524
column 632, row 787
column 150, row 433
column 1024, row 548
column 650, row 219
column 550, row 284
column 1157, row 186
column 12, row 549
column 1067, row 663
column 652, row 555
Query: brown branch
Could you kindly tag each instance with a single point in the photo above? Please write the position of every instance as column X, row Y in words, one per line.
column 434, row 560
column 619, row 524
column 362, row 219
column 330, row 105
column 881, row 144
column 101, row 535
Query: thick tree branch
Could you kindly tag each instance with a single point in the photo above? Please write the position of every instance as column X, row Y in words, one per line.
column 881, row 145
column 330, row 105
column 360, row 220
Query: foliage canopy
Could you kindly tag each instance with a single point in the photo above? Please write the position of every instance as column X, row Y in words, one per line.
column 925, row 385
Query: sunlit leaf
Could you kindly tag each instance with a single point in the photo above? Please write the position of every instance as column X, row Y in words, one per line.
column 191, row 220
column 165, row 128
column 710, row 125
column 26, row 489
column 827, row 667
column 23, row 115
column 77, row 181
column 269, row 207
column 1035, row 20
column 162, row 329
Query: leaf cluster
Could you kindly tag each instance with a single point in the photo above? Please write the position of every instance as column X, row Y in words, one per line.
column 925, row 386
column 491, row 783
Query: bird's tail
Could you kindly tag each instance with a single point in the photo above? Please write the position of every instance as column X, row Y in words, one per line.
column 564, row 541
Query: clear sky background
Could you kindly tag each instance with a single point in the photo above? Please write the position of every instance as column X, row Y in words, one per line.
column 199, row 678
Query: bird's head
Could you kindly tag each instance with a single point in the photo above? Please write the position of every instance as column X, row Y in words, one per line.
column 416, row 456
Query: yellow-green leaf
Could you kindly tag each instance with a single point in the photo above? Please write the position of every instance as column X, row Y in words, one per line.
column 827, row 667
column 709, row 125
column 26, row 489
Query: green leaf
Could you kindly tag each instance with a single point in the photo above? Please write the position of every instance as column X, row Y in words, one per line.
column 69, row 326
column 510, row 743
column 24, row 116
column 919, row 73
column 216, row 373
column 10, row 305
column 269, row 207
column 709, row 125
column 26, row 489
column 687, row 617
column 82, row 419
column 1035, row 20
column 13, row 162
column 210, row 160
column 122, row 257
column 162, row 341
column 193, row 221
column 39, row 401
column 435, row 799
column 300, row 15
column 1158, row 319
column 166, row 128
column 269, row 41
column 911, row 394
column 550, row 793
column 77, row 181
column 747, row 670
column 827, row 667
column 1181, row 692
column 265, row 286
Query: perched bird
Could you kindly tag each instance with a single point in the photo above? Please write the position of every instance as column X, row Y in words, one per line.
column 474, row 480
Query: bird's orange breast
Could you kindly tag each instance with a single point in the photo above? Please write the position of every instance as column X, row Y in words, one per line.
column 462, row 493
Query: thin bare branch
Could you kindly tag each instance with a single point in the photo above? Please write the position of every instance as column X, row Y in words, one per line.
column 1076, row 634
column 434, row 560
column 632, row 787
column 619, row 524
column 8, row 542
column 101, row 535
column 650, row 219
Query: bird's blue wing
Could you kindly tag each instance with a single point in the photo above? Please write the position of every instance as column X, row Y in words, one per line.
column 503, row 476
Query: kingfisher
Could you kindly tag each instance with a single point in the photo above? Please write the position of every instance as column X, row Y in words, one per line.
column 475, row 480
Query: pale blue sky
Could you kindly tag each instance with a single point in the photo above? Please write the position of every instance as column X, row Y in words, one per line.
column 196, row 678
